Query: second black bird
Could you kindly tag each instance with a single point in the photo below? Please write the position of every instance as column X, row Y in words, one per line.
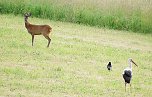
column 109, row 66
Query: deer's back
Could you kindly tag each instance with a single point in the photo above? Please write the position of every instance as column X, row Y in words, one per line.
column 39, row 29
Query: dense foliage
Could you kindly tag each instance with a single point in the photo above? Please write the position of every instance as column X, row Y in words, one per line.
column 133, row 15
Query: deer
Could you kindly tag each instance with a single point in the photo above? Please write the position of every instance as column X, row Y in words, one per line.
column 37, row 29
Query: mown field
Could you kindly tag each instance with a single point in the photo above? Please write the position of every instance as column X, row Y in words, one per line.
column 130, row 15
column 75, row 63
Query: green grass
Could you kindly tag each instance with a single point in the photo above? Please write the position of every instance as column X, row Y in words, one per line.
column 75, row 63
column 130, row 15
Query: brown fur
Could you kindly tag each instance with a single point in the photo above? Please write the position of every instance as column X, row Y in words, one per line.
column 37, row 29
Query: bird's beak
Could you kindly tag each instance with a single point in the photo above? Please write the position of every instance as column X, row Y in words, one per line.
column 134, row 63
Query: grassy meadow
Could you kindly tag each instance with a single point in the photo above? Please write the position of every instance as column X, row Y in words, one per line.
column 130, row 15
column 75, row 63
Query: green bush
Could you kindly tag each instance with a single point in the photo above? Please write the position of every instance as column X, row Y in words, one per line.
column 118, row 17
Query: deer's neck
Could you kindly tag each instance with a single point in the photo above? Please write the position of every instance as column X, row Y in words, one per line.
column 26, row 23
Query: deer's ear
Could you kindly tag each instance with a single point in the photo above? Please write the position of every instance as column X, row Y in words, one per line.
column 29, row 14
column 25, row 14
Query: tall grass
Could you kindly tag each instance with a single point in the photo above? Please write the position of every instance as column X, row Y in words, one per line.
column 134, row 15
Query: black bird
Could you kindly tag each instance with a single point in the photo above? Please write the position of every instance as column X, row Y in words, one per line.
column 109, row 66
column 127, row 73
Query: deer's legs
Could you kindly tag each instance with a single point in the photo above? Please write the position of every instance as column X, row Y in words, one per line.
column 48, row 38
column 32, row 39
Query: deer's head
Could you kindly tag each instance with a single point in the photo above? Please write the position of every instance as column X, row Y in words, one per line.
column 26, row 15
